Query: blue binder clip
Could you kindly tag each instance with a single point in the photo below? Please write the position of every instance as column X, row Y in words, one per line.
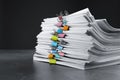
column 54, row 44
column 54, row 51
column 57, row 56
column 60, row 48
column 59, row 31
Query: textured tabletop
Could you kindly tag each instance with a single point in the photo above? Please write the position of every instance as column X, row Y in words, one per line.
column 18, row 65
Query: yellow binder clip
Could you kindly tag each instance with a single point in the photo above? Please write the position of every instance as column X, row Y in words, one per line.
column 52, row 61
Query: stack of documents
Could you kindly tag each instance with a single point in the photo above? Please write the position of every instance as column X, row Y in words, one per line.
column 78, row 40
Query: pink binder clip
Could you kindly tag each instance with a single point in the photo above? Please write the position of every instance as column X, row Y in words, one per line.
column 59, row 24
column 61, row 53
column 61, row 35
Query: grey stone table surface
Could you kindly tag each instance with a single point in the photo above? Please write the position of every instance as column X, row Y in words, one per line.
column 19, row 65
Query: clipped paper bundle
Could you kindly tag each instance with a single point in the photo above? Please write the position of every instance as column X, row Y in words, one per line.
column 78, row 40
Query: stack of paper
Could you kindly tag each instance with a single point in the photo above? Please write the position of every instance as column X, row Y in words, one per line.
column 106, row 46
column 78, row 40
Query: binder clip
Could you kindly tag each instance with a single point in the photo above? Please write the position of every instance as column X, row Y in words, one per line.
column 57, row 56
column 61, row 53
column 50, row 56
column 54, row 44
column 59, row 48
column 54, row 51
column 52, row 61
column 65, row 28
column 54, row 38
column 62, row 42
column 59, row 31
column 64, row 22
column 59, row 24
column 61, row 35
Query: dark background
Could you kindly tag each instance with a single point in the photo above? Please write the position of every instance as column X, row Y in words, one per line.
column 20, row 19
